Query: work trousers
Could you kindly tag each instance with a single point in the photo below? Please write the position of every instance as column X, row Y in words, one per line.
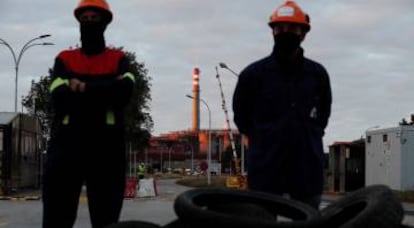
column 76, row 160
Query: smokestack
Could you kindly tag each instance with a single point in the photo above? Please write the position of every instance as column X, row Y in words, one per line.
column 196, row 100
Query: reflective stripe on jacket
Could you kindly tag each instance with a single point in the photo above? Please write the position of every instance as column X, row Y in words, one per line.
column 108, row 89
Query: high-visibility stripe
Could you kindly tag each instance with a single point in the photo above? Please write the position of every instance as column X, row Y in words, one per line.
column 130, row 76
column 58, row 82
column 65, row 120
column 110, row 118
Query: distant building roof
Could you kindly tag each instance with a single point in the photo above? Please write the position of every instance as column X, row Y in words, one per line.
column 340, row 143
column 347, row 143
column 390, row 129
column 7, row 117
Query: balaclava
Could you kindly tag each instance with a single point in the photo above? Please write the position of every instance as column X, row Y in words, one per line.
column 286, row 43
column 92, row 37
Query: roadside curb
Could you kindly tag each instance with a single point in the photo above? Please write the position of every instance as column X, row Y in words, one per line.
column 20, row 198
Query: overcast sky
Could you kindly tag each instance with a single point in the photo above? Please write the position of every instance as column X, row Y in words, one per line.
column 366, row 46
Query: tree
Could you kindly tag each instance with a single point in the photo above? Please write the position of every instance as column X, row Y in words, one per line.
column 38, row 102
column 139, row 123
column 138, row 120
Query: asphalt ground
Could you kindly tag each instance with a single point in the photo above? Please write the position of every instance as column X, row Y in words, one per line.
column 25, row 211
column 22, row 211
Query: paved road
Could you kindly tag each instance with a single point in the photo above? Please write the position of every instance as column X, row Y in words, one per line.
column 159, row 210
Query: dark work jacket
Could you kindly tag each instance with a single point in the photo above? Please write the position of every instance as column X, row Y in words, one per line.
column 97, row 115
column 284, row 108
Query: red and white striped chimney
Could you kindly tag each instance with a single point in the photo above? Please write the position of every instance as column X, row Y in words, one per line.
column 196, row 100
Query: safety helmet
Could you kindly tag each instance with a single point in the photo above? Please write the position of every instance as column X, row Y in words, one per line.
column 290, row 12
column 100, row 5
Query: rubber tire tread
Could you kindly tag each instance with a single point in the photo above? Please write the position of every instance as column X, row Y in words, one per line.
column 207, row 208
column 374, row 206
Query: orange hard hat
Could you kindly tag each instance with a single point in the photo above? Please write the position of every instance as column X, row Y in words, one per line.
column 289, row 12
column 100, row 5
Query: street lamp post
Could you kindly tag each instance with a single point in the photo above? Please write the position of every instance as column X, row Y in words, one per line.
column 209, row 139
column 169, row 160
column 223, row 65
column 18, row 58
column 169, row 147
column 161, row 170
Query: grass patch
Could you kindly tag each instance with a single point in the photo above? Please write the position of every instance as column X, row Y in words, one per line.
column 405, row 196
column 201, row 181
column 167, row 175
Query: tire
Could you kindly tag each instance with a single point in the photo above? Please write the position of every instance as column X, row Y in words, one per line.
column 133, row 224
column 373, row 206
column 176, row 224
column 233, row 208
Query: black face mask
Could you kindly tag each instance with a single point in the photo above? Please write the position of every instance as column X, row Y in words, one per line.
column 92, row 37
column 286, row 43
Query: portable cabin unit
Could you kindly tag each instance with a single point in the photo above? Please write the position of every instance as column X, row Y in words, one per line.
column 21, row 146
column 390, row 157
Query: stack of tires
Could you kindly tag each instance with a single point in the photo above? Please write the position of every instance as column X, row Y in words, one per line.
column 374, row 206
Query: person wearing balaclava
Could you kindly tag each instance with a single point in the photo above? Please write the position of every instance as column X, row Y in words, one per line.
column 282, row 103
column 90, row 87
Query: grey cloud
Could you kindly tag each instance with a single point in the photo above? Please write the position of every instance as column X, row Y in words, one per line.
column 365, row 46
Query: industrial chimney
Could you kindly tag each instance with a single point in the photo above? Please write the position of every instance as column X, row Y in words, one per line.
column 196, row 100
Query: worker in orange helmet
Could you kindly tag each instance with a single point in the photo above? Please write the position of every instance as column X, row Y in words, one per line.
column 282, row 103
column 90, row 88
